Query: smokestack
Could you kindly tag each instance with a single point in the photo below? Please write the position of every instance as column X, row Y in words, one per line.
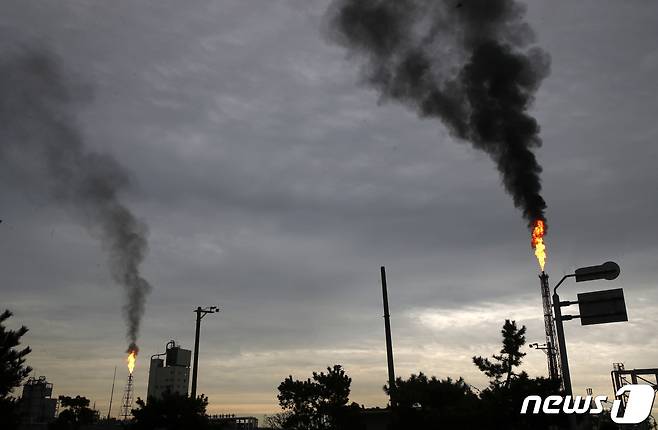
column 40, row 142
column 389, row 342
column 549, row 327
column 470, row 64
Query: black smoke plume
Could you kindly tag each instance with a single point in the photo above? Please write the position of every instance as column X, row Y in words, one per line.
column 38, row 138
column 470, row 64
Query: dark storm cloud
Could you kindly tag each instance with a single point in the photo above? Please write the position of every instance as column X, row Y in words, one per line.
column 39, row 138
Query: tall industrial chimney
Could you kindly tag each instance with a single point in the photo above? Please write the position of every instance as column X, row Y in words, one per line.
column 389, row 343
column 549, row 327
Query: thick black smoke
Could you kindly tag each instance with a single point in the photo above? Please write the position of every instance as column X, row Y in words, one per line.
column 468, row 63
column 38, row 138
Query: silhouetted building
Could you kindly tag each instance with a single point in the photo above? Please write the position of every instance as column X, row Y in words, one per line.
column 169, row 374
column 36, row 405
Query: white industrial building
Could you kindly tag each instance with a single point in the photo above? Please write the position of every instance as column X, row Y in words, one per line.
column 171, row 373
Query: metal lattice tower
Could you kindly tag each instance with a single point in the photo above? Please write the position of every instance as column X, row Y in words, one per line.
column 620, row 378
column 552, row 354
column 127, row 404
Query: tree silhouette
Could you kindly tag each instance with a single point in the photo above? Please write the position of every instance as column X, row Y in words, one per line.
column 318, row 403
column 277, row 421
column 77, row 414
column 422, row 402
column 12, row 370
column 510, row 356
column 500, row 404
column 172, row 411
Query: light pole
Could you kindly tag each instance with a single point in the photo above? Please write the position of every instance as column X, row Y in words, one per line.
column 607, row 271
column 200, row 313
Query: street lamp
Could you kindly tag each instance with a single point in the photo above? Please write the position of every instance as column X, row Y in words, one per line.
column 540, row 346
column 200, row 313
column 608, row 271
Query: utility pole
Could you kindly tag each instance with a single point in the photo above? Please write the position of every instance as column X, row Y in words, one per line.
column 109, row 410
column 566, row 375
column 389, row 342
column 200, row 313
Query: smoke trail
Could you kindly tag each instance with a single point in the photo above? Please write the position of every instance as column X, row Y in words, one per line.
column 468, row 63
column 38, row 137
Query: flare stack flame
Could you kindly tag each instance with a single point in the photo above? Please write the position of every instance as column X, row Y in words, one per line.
column 537, row 242
column 131, row 359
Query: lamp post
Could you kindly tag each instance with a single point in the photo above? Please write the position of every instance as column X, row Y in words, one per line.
column 200, row 313
column 608, row 271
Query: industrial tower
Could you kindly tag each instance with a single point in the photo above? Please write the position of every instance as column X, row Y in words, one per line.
column 552, row 354
column 127, row 404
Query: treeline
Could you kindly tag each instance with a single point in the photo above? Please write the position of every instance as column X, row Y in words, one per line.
column 427, row 402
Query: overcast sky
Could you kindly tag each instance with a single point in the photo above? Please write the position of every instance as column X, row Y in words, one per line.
column 274, row 186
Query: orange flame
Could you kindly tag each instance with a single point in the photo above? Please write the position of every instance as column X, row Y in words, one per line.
column 132, row 357
column 537, row 242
